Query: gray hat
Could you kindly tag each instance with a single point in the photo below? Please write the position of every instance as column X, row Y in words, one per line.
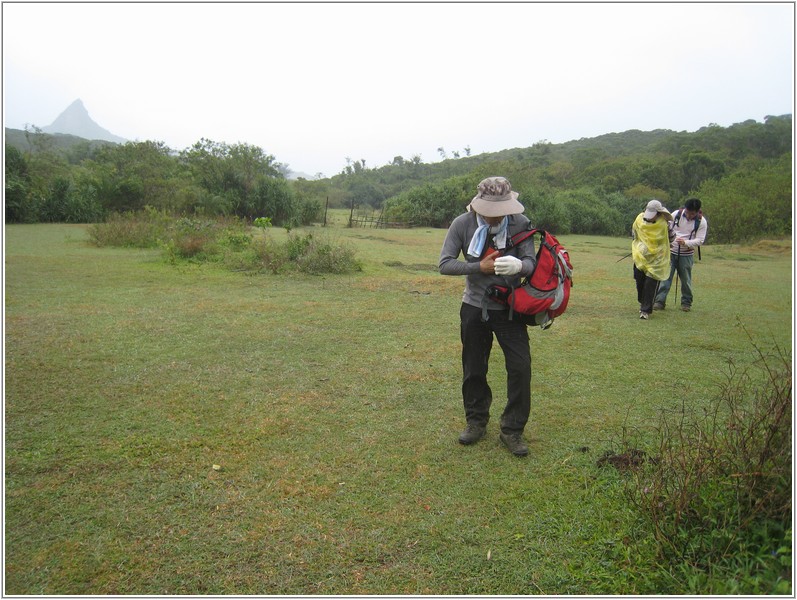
column 654, row 207
column 496, row 198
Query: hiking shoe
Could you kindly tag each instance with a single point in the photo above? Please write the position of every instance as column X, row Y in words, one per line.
column 472, row 434
column 658, row 306
column 515, row 443
column 644, row 316
column 685, row 308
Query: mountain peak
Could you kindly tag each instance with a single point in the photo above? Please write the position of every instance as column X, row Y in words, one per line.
column 75, row 120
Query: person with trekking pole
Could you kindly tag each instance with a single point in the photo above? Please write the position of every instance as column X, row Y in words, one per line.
column 649, row 250
column 689, row 227
column 482, row 236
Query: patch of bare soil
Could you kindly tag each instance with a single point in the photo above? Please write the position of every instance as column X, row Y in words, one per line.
column 631, row 459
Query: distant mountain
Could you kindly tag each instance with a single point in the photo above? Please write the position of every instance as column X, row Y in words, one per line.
column 75, row 120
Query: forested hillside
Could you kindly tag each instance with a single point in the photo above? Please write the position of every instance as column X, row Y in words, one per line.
column 742, row 173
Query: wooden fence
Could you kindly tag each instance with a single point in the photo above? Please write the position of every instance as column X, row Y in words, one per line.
column 377, row 222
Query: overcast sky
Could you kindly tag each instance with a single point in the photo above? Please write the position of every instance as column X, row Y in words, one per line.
column 313, row 84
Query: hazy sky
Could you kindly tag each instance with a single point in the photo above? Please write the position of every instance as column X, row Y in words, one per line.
column 313, row 84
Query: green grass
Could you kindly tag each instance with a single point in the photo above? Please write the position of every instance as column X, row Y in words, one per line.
column 332, row 406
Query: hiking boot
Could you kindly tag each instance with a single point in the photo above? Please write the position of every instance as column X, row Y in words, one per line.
column 685, row 308
column 515, row 443
column 472, row 434
column 658, row 306
column 644, row 316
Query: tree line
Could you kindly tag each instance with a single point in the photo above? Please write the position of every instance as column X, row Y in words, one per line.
column 87, row 183
column 742, row 174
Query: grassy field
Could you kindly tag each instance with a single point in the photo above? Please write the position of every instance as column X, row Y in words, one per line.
column 187, row 430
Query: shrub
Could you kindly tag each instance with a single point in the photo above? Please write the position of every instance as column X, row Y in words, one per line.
column 589, row 213
column 274, row 197
column 141, row 229
column 268, row 255
column 433, row 205
column 546, row 212
column 225, row 240
column 19, row 208
column 750, row 204
column 308, row 254
column 717, row 490
column 206, row 239
column 322, row 256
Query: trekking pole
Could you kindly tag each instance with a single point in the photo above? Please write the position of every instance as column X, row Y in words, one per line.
column 626, row 256
column 677, row 269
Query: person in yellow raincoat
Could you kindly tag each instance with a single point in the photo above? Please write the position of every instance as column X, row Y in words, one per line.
column 650, row 250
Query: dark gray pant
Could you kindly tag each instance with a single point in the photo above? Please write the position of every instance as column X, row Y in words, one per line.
column 477, row 342
column 646, row 288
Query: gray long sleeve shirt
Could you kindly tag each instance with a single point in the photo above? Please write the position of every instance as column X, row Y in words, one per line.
column 476, row 283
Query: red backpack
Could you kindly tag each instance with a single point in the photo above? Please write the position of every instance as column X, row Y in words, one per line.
column 543, row 295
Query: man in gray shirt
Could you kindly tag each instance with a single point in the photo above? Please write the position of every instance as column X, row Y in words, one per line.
column 482, row 236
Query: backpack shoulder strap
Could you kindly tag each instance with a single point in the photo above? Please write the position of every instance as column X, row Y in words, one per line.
column 522, row 236
column 698, row 218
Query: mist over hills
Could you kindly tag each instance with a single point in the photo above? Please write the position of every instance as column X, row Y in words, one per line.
column 74, row 127
column 75, row 122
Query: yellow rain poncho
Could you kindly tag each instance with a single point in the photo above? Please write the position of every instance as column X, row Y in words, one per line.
column 651, row 248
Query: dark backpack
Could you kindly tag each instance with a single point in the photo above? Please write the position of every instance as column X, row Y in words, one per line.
column 543, row 295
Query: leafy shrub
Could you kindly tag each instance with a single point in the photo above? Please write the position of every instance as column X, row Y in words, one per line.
column 275, row 198
column 434, row 205
column 750, row 204
column 268, row 255
column 147, row 228
column 308, row 211
column 65, row 202
column 308, row 254
column 297, row 245
column 225, row 240
column 322, row 256
column 206, row 239
column 19, row 208
column 588, row 212
column 546, row 212
column 717, row 490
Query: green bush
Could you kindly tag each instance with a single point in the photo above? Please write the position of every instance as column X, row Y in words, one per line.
column 589, row 213
column 19, row 208
column 751, row 204
column 323, row 256
column 225, row 240
column 716, row 487
column 307, row 254
column 546, row 212
column 206, row 239
column 66, row 202
column 433, row 205
column 147, row 228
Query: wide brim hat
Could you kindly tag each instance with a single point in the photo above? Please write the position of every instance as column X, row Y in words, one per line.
column 653, row 208
column 495, row 198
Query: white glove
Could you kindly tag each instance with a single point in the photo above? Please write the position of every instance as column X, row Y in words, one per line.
column 508, row 265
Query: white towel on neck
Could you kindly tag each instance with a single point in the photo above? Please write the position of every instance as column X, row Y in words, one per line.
column 476, row 246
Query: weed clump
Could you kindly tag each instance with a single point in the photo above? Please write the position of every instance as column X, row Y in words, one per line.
column 140, row 229
column 224, row 240
column 718, row 494
column 306, row 253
